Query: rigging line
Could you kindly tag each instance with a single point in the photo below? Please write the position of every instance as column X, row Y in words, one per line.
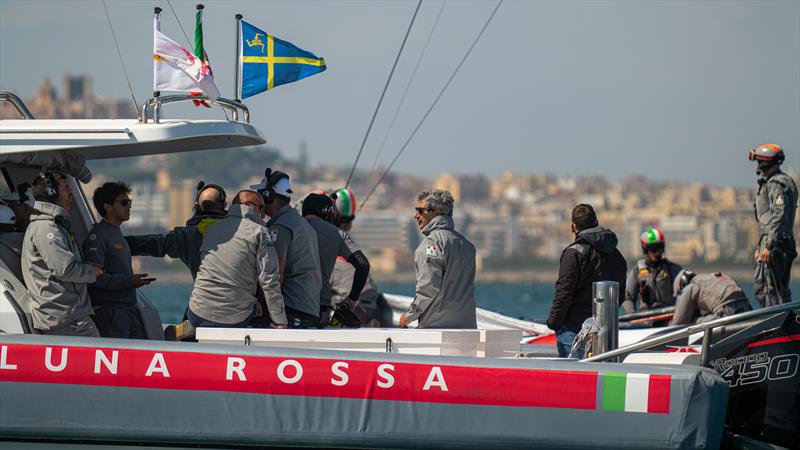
column 181, row 26
column 121, row 61
column 386, row 86
column 403, row 98
column 400, row 152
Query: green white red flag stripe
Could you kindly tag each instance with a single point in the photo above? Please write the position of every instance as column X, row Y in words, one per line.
column 636, row 392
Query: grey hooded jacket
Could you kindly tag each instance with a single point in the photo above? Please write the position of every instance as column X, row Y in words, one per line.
column 775, row 206
column 237, row 256
column 445, row 267
column 54, row 271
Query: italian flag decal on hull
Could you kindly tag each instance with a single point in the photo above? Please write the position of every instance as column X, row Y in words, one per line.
column 636, row 392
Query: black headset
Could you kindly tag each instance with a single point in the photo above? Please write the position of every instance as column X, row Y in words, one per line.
column 50, row 186
column 202, row 186
column 272, row 179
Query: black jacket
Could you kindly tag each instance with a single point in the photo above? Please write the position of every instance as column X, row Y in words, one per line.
column 592, row 257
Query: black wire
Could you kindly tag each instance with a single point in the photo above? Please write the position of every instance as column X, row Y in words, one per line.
column 378, row 106
column 400, row 152
column 119, row 53
column 180, row 25
column 403, row 98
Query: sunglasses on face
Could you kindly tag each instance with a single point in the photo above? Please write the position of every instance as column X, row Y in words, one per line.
column 422, row 210
column 124, row 202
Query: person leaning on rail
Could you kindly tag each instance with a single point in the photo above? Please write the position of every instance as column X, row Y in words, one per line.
column 593, row 256
column 716, row 295
column 298, row 254
column 52, row 266
column 445, row 268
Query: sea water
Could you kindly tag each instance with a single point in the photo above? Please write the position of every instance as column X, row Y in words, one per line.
column 519, row 300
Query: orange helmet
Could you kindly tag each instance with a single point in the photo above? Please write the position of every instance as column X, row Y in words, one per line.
column 768, row 153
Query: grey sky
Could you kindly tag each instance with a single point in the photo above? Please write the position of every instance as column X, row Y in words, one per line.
column 675, row 90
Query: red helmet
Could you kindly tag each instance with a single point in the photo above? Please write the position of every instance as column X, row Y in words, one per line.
column 768, row 153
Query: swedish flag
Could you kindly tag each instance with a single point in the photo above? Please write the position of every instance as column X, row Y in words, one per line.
column 268, row 61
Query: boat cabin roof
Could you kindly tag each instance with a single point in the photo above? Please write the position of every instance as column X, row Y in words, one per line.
column 100, row 139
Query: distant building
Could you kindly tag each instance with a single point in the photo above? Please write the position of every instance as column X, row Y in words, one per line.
column 78, row 102
column 464, row 187
column 375, row 232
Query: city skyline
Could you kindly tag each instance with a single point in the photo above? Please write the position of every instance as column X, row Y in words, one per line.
column 670, row 90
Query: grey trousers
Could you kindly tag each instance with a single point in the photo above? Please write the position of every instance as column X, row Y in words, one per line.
column 771, row 284
column 80, row 327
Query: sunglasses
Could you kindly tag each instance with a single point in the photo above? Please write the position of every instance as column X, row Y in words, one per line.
column 124, row 202
column 422, row 210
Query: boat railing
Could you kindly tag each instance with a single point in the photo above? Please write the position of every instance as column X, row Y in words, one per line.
column 12, row 98
column 154, row 105
column 706, row 328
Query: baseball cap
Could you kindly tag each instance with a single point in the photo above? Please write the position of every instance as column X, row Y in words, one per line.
column 282, row 187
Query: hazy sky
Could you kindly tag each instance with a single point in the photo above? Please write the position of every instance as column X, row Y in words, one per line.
column 674, row 90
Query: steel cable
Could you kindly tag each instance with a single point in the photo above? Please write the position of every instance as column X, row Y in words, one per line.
column 122, row 61
column 386, row 86
column 413, row 133
column 403, row 98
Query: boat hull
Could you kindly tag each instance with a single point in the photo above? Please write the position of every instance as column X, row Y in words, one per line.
column 175, row 393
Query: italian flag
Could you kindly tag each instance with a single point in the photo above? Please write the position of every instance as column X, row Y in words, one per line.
column 636, row 392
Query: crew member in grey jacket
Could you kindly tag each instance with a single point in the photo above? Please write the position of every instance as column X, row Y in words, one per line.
column 775, row 208
column 715, row 294
column 320, row 211
column 114, row 293
column 237, row 257
column 445, row 268
column 52, row 265
column 298, row 254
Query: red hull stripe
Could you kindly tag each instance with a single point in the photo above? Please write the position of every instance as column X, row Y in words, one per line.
column 658, row 394
column 207, row 372
column 779, row 340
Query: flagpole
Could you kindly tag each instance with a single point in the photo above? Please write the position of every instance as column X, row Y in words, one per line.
column 157, row 13
column 237, row 86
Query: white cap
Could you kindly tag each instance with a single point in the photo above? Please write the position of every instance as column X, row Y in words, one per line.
column 282, row 187
column 7, row 216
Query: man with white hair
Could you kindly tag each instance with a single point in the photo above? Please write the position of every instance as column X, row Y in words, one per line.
column 445, row 266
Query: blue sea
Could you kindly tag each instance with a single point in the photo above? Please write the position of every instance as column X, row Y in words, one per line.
column 520, row 300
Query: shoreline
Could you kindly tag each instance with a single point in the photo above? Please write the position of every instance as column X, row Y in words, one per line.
column 514, row 276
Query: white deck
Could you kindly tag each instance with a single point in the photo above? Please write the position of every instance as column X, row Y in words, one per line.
column 474, row 343
column 99, row 139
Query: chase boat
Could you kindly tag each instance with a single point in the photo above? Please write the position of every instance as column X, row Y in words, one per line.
column 378, row 388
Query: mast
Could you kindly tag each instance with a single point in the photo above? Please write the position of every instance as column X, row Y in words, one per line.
column 157, row 27
column 237, row 72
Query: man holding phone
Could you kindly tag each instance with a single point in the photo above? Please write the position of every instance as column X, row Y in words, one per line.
column 114, row 293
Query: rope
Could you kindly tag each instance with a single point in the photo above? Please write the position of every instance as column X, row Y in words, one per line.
column 181, row 26
column 386, row 86
column 403, row 98
column 435, row 101
column 121, row 61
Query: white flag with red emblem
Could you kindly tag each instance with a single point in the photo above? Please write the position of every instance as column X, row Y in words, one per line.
column 176, row 69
